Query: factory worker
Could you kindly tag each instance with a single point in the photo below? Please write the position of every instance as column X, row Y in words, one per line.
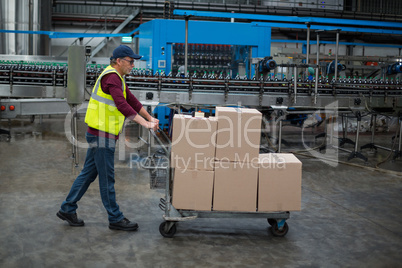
column 110, row 104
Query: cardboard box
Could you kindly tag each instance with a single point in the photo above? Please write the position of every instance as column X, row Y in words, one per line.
column 192, row 189
column 238, row 134
column 279, row 182
column 193, row 142
column 235, row 186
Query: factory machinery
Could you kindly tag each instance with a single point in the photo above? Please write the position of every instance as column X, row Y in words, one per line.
column 202, row 63
column 38, row 88
column 49, row 80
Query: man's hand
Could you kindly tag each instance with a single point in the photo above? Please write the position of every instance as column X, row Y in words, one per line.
column 152, row 125
column 155, row 120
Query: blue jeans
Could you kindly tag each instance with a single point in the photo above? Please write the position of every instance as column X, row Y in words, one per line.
column 99, row 161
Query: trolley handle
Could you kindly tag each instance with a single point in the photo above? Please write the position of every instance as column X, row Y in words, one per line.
column 165, row 136
column 167, row 151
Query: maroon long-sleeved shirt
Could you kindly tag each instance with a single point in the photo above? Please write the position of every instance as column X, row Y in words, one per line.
column 111, row 84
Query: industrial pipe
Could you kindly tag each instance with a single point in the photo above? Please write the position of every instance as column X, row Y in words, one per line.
column 336, row 55
column 186, row 47
column 308, row 46
column 317, row 67
column 295, row 84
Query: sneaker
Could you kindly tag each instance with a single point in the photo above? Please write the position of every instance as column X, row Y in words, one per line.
column 72, row 218
column 124, row 225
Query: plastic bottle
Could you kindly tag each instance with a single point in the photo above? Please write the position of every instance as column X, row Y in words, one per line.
column 197, row 56
column 284, row 80
column 220, row 76
column 202, row 56
column 299, row 81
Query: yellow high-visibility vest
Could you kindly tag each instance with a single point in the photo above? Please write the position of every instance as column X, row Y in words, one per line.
column 102, row 113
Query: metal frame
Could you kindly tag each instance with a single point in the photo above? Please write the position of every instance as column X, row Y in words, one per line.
column 28, row 107
column 195, row 13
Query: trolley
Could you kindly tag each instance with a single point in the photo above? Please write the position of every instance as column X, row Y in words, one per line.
column 161, row 176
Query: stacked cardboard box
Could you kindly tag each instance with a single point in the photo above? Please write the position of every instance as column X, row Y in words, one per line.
column 238, row 134
column 235, row 186
column 279, row 182
column 236, row 166
column 192, row 189
column 193, row 152
column 217, row 164
column 193, row 142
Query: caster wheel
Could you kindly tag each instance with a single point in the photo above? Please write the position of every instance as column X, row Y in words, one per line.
column 271, row 221
column 279, row 233
column 170, row 233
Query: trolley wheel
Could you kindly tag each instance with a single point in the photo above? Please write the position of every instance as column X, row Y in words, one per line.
column 279, row 233
column 168, row 234
column 271, row 221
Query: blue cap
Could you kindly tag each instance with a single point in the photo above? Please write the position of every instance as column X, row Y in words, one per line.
column 124, row 51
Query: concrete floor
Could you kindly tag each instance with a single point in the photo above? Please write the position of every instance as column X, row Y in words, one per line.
column 351, row 216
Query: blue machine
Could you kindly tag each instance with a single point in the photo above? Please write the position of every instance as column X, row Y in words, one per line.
column 331, row 67
column 267, row 64
column 394, row 68
column 157, row 38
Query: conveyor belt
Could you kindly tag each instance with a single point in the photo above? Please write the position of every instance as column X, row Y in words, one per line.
column 19, row 81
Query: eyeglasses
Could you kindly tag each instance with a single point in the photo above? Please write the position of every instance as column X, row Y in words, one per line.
column 129, row 61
